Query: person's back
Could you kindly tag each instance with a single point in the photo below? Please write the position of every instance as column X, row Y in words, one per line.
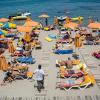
column 69, row 63
column 39, row 74
column 39, row 77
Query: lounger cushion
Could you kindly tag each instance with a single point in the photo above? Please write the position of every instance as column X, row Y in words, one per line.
column 48, row 39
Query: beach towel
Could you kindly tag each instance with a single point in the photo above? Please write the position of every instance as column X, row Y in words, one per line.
column 70, row 82
column 64, row 51
column 10, row 35
column 29, row 60
column 52, row 36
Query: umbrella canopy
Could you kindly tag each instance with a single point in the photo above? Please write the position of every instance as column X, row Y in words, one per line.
column 4, row 20
column 95, row 25
column 31, row 23
column 3, row 32
column 71, row 25
column 44, row 16
column 9, row 25
column 24, row 29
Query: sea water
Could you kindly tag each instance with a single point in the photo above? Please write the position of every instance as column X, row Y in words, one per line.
column 71, row 8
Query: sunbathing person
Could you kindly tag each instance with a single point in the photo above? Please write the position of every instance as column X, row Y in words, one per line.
column 8, row 76
column 80, row 83
column 69, row 63
column 63, row 72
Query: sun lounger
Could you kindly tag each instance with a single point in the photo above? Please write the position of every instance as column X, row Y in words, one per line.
column 87, row 81
column 70, row 74
column 74, row 62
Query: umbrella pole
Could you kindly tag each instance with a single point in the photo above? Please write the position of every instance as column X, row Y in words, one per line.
column 46, row 21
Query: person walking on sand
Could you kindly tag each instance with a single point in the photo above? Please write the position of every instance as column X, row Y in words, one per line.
column 39, row 77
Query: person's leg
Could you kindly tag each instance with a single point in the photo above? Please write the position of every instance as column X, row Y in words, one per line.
column 5, row 79
column 42, row 83
column 39, row 86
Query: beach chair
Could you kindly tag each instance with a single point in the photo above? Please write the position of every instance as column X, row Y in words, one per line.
column 70, row 74
column 81, row 84
column 74, row 62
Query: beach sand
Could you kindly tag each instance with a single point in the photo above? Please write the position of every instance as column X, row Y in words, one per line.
column 25, row 88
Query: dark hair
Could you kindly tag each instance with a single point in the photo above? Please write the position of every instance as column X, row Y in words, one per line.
column 9, row 63
column 39, row 66
column 69, row 58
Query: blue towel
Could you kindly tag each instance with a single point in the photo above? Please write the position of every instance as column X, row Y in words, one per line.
column 10, row 35
column 63, row 51
column 52, row 36
column 70, row 81
column 29, row 60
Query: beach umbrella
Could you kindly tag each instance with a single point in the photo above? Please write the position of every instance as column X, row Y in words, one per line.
column 24, row 29
column 11, row 46
column 9, row 25
column 27, row 37
column 3, row 32
column 45, row 16
column 77, row 41
column 3, row 62
column 71, row 25
column 30, row 23
column 94, row 25
column 4, row 20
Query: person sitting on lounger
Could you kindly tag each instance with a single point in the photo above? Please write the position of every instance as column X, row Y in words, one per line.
column 8, row 76
column 69, row 63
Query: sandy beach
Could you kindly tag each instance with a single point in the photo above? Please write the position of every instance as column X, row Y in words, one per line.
column 46, row 57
